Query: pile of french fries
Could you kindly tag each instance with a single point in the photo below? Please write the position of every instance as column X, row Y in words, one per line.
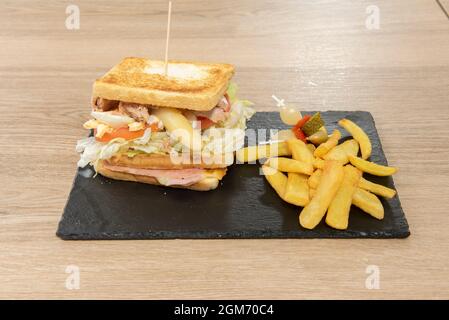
column 327, row 178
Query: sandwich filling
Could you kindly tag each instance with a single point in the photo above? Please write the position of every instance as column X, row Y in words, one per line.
column 130, row 129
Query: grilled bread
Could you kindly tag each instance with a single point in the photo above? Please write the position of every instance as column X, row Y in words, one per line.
column 161, row 161
column 209, row 180
column 189, row 85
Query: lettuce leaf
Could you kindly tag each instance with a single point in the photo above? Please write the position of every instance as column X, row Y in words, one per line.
column 89, row 149
column 92, row 151
column 241, row 111
column 111, row 148
column 151, row 148
column 143, row 139
column 232, row 92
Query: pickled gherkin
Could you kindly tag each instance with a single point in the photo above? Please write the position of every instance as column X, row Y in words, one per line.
column 313, row 125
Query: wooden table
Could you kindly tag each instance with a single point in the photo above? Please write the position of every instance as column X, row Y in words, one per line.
column 317, row 55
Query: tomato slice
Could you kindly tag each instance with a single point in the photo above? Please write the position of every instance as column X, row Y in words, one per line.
column 124, row 133
column 205, row 122
column 228, row 108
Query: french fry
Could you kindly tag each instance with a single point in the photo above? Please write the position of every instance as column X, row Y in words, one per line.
column 371, row 167
column 276, row 179
column 300, row 151
column 290, row 165
column 331, row 179
column 292, row 189
column 311, row 192
column 297, row 190
column 318, row 163
column 375, row 188
column 311, row 147
column 341, row 152
column 359, row 135
column 368, row 202
column 253, row 153
column 325, row 147
column 338, row 213
column 314, row 179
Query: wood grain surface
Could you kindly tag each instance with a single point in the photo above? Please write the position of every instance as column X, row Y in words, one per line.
column 318, row 55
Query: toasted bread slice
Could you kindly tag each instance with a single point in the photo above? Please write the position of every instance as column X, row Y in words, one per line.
column 189, row 85
column 209, row 181
column 161, row 161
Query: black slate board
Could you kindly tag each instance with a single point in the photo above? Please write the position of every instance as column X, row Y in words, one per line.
column 243, row 206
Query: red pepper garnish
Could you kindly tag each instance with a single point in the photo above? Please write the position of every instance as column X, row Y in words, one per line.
column 300, row 135
column 302, row 121
column 297, row 128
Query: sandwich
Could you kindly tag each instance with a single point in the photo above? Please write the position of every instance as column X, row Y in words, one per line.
column 177, row 127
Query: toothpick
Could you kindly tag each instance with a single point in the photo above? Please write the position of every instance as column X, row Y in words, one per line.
column 280, row 102
column 167, row 40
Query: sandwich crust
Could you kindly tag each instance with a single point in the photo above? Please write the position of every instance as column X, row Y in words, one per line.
column 189, row 85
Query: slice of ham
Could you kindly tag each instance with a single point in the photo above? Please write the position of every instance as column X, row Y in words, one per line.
column 215, row 115
column 219, row 113
column 180, row 177
column 225, row 103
